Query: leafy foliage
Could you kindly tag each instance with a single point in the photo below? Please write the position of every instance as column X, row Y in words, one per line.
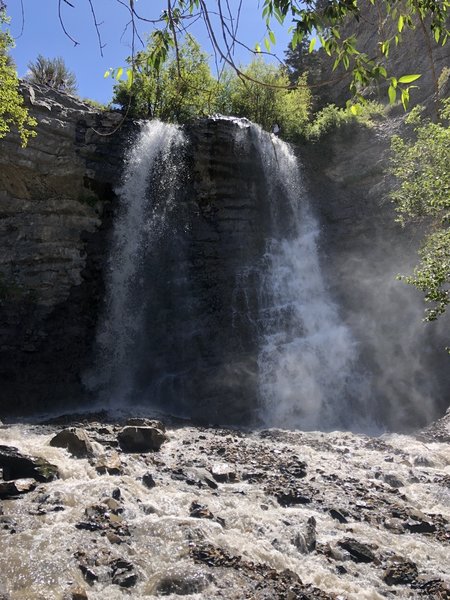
column 12, row 111
column 331, row 117
column 421, row 166
column 181, row 87
column 264, row 97
column 52, row 72
column 173, row 88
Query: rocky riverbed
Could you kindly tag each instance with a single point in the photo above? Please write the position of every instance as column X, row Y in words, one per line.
column 102, row 506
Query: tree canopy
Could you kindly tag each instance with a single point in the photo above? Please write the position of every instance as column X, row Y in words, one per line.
column 320, row 22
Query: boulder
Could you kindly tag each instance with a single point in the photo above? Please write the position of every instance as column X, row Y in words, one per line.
column 17, row 466
column 358, row 551
column 14, row 488
column 75, row 440
column 223, row 472
column 141, row 439
column 143, row 422
column 401, row 573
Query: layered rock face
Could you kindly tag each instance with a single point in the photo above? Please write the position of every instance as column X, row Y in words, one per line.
column 54, row 206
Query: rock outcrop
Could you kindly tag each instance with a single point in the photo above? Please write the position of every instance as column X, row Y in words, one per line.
column 55, row 208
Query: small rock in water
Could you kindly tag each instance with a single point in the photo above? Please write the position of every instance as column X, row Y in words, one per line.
column 141, row 439
column 109, row 465
column 16, row 487
column 223, row 472
column 116, row 494
column 359, row 552
column 123, row 574
column 75, row 440
column 401, row 573
column 393, row 480
column 337, row 514
column 291, row 497
column 182, row 585
column 199, row 511
column 148, row 480
column 419, row 526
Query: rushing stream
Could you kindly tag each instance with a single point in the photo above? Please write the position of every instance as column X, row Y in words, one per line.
column 227, row 514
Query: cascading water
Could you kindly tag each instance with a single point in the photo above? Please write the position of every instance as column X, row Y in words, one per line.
column 307, row 355
column 147, row 197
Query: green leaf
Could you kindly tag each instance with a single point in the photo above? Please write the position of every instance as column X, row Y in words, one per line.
column 258, row 48
column 272, row 37
column 107, row 74
column 392, row 92
column 401, row 23
column 312, row 43
column 267, row 44
column 408, row 78
column 119, row 73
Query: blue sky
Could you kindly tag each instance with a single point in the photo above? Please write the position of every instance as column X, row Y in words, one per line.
column 40, row 32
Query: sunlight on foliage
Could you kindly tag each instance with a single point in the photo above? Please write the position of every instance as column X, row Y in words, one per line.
column 421, row 166
column 13, row 113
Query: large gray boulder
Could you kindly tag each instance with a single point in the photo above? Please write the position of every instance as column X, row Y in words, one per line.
column 18, row 466
column 141, row 439
column 75, row 441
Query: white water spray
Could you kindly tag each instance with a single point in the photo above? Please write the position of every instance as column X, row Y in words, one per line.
column 141, row 221
column 307, row 355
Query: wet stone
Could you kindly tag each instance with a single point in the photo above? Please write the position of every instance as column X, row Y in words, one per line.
column 199, row 511
column 143, row 422
column 291, row 498
column 183, row 585
column 419, row 526
column 401, row 573
column 141, row 439
column 109, row 465
column 122, row 573
column 358, row 551
column 19, row 466
column 338, row 515
column 223, row 472
column 148, row 481
column 10, row 489
column 75, row 440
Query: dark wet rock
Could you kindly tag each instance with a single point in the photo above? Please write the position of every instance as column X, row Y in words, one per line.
column 416, row 526
column 271, row 584
column 109, row 465
column 223, row 472
column 432, row 588
column 17, row 466
column 294, row 469
column 199, row 511
column 148, row 480
column 401, row 573
column 123, row 573
column 75, row 440
column 338, row 515
column 88, row 573
column 142, row 422
column 305, row 541
column 183, row 585
column 358, row 551
column 141, row 439
column 393, row 480
column 291, row 497
column 16, row 487
column 116, row 494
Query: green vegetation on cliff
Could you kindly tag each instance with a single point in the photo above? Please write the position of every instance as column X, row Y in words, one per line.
column 13, row 113
column 421, row 166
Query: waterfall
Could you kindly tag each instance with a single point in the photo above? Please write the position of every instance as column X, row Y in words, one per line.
column 146, row 200
column 216, row 306
column 307, row 357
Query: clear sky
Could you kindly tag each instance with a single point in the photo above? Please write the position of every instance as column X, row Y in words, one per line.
column 39, row 31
